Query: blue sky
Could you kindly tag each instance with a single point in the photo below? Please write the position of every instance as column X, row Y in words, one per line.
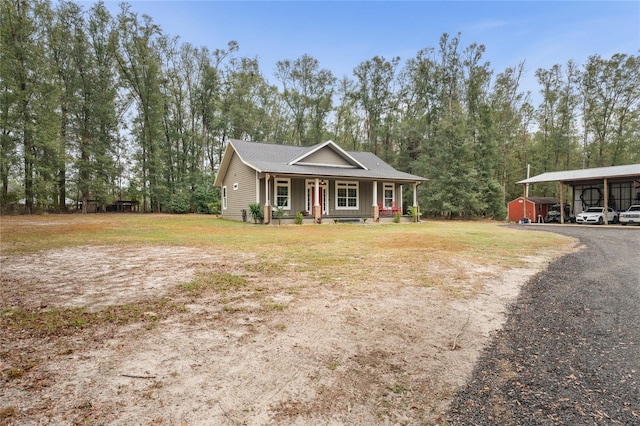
column 342, row 34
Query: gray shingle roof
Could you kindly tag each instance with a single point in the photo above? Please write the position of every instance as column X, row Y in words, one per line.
column 271, row 158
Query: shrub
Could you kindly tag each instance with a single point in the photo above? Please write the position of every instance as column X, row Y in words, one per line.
column 256, row 212
column 279, row 213
column 215, row 208
column 180, row 203
column 200, row 197
column 299, row 218
column 414, row 213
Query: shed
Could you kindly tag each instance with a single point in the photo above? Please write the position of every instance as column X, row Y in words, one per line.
column 537, row 208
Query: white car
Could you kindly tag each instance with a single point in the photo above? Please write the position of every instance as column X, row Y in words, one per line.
column 596, row 215
column 631, row 215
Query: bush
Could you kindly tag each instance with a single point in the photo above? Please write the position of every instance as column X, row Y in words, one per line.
column 203, row 196
column 214, row 208
column 414, row 213
column 256, row 212
column 279, row 213
column 180, row 203
column 299, row 218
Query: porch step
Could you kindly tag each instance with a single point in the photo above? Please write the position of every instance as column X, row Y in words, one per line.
column 347, row 220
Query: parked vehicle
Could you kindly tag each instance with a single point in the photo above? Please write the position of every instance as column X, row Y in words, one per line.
column 596, row 215
column 553, row 215
column 631, row 215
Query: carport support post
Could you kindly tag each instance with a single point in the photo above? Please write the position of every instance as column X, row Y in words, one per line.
column 524, row 208
column 606, row 201
column 561, row 203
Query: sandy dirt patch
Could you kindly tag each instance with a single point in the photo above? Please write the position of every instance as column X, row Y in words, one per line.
column 286, row 348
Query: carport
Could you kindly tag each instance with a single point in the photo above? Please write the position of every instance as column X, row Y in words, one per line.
column 599, row 182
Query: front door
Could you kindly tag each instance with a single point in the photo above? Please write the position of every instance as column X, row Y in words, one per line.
column 311, row 197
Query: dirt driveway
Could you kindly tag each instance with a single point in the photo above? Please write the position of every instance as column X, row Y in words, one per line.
column 570, row 350
column 266, row 347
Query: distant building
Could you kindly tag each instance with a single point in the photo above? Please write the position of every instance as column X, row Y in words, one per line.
column 536, row 208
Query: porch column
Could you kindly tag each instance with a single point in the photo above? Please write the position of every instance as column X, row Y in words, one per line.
column 317, row 212
column 400, row 201
column 374, row 206
column 267, row 199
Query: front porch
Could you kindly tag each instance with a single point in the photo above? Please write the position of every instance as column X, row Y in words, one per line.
column 334, row 200
column 365, row 220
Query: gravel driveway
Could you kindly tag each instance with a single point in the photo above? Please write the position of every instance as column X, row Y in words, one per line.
column 570, row 349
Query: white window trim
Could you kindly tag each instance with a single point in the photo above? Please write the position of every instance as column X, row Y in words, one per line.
column 276, row 184
column 224, row 197
column 348, row 184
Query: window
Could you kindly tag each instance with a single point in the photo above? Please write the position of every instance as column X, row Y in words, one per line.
column 388, row 195
column 283, row 192
column 346, row 195
column 224, row 198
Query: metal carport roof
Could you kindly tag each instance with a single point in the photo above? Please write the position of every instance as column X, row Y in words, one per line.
column 630, row 171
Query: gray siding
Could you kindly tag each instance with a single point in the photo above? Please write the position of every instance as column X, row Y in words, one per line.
column 243, row 178
column 325, row 156
column 298, row 196
column 365, row 201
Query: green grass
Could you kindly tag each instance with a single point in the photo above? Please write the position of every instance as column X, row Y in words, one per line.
column 65, row 321
column 329, row 253
column 431, row 254
column 309, row 245
column 220, row 283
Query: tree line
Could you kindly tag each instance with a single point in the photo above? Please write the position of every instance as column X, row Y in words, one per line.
column 103, row 108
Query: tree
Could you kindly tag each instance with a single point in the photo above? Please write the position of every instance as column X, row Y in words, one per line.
column 448, row 154
column 374, row 94
column 346, row 130
column 611, row 93
column 557, row 118
column 139, row 63
column 29, row 97
column 307, row 92
column 84, row 64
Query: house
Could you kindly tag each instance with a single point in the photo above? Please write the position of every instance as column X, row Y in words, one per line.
column 533, row 208
column 321, row 181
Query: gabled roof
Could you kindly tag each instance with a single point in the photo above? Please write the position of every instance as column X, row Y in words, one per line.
column 328, row 145
column 289, row 160
column 585, row 175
